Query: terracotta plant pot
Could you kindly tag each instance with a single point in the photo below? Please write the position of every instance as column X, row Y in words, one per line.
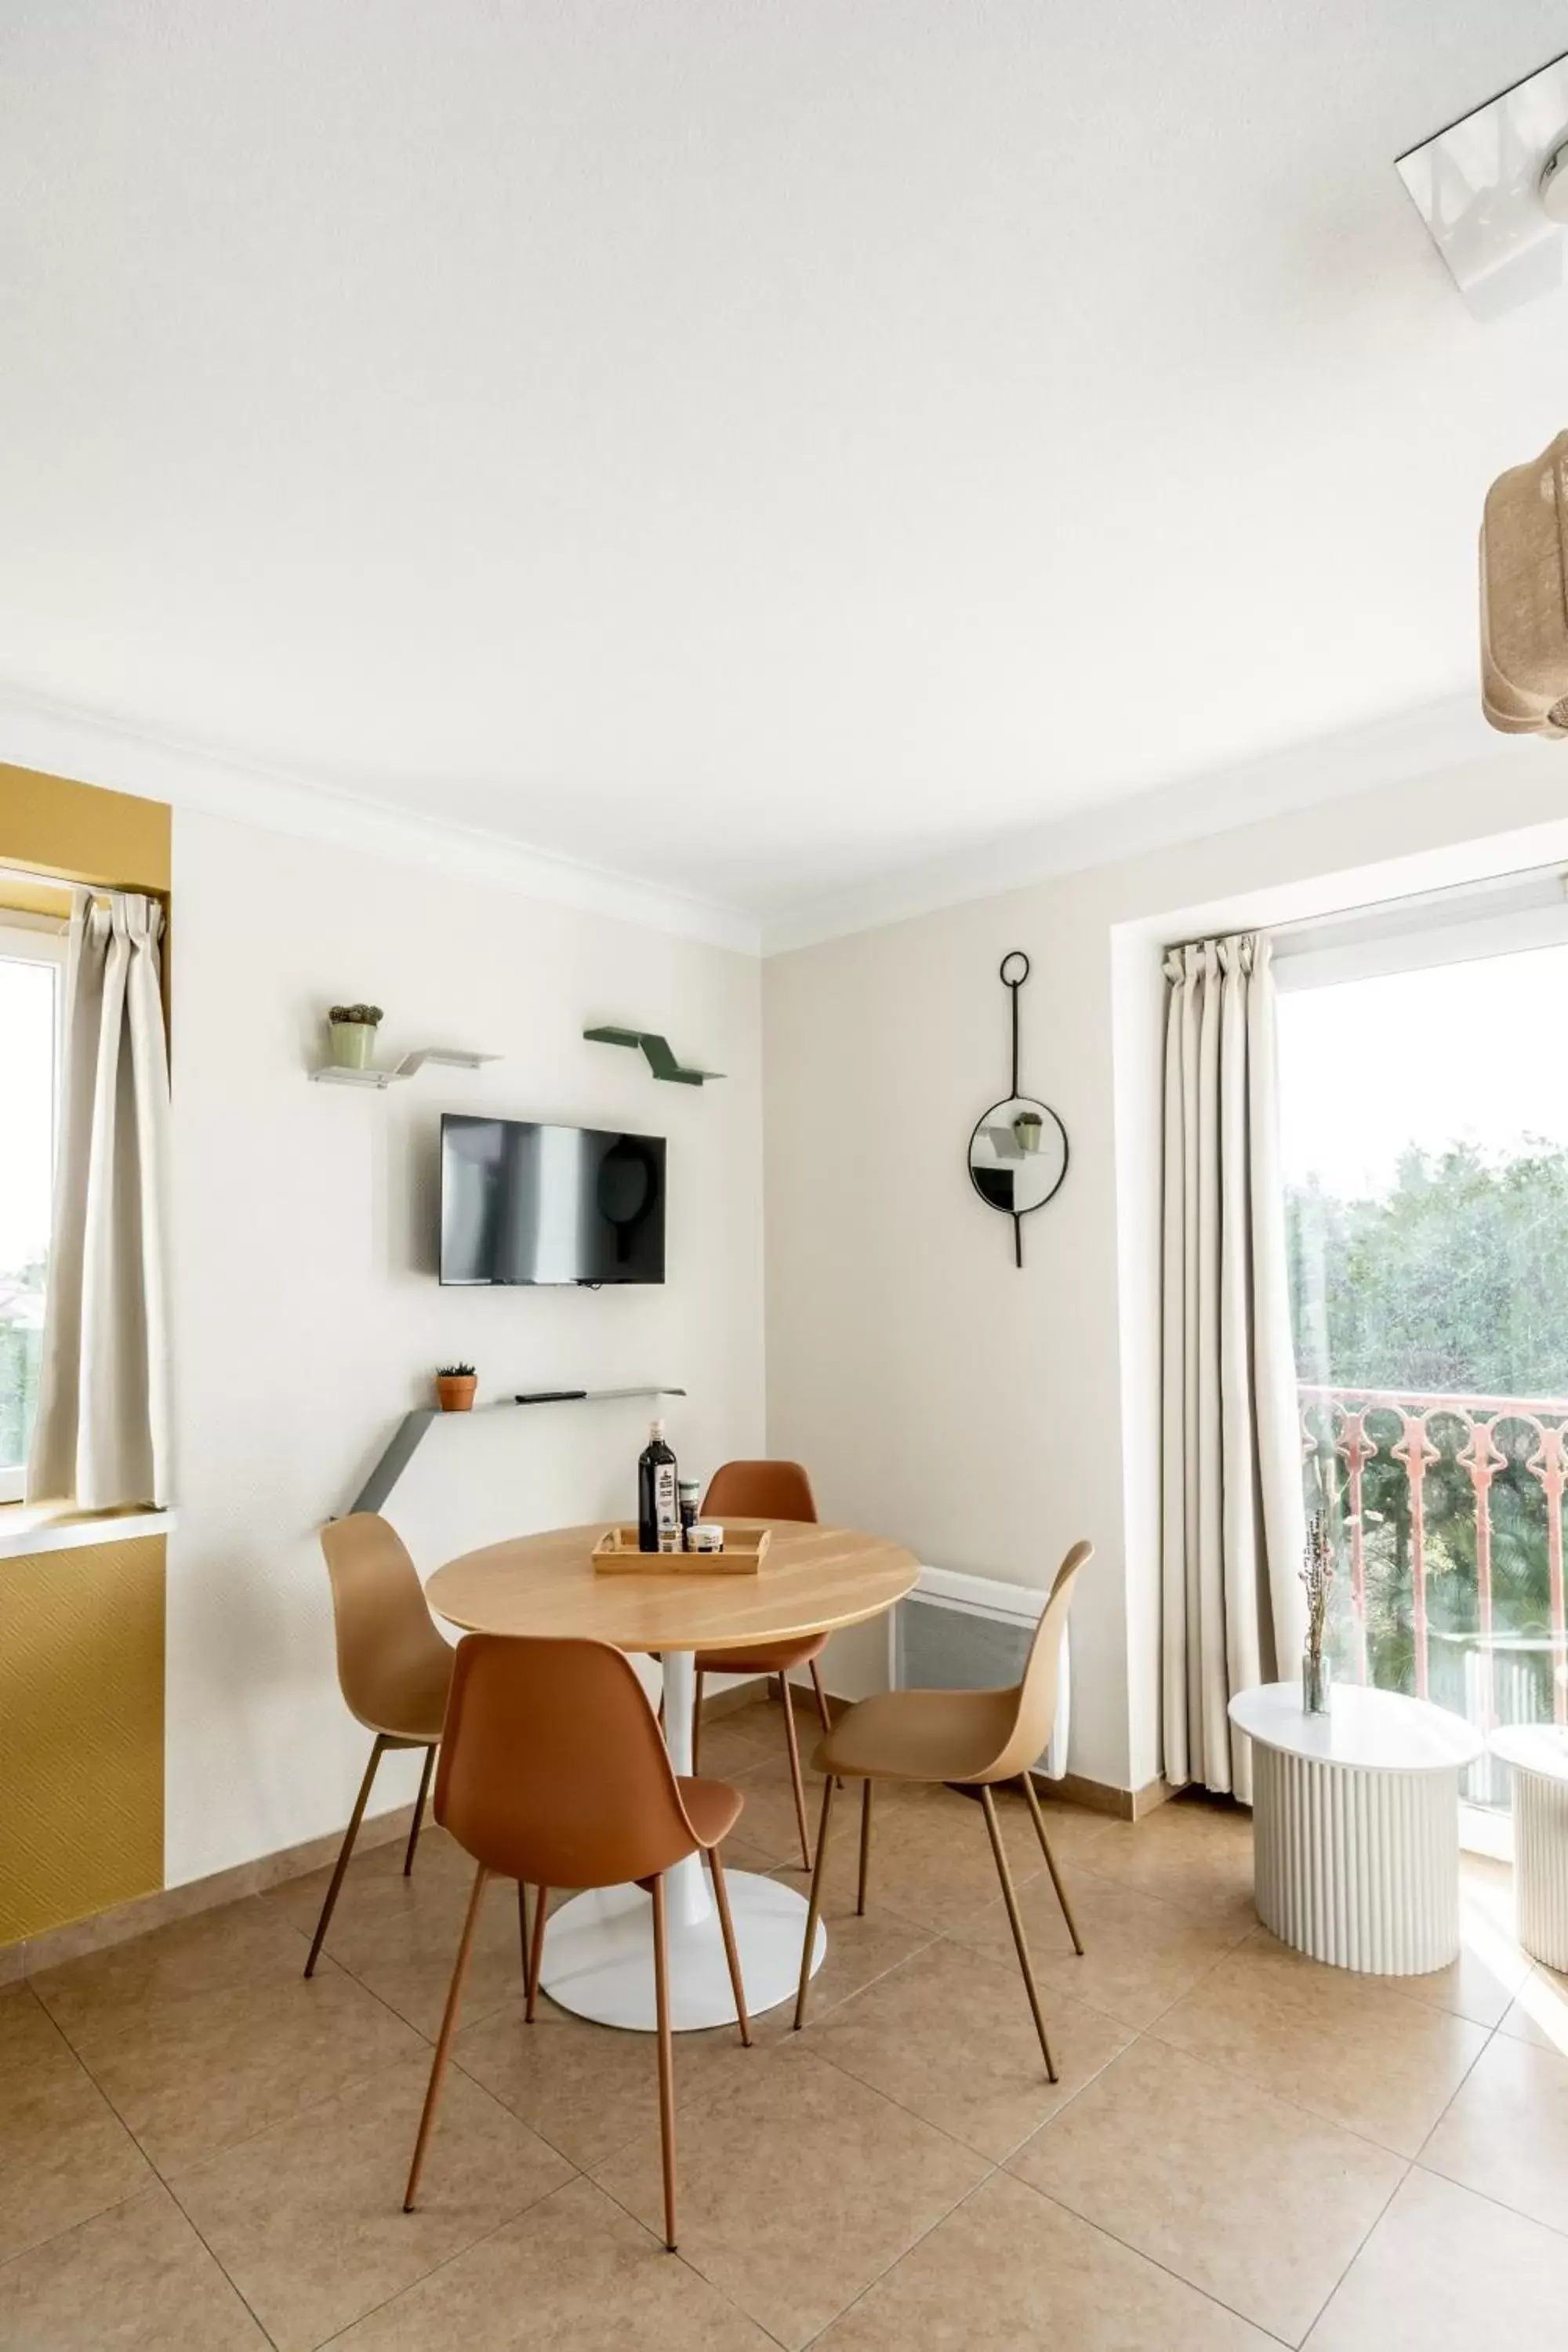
column 457, row 1395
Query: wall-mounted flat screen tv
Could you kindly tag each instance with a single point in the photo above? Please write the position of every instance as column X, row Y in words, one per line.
column 523, row 1204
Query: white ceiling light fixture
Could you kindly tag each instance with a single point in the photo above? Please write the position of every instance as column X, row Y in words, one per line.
column 1493, row 190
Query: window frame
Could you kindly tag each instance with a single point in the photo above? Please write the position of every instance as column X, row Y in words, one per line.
column 27, row 938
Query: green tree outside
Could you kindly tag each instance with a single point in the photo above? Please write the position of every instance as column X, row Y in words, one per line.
column 1454, row 1283
column 21, row 1344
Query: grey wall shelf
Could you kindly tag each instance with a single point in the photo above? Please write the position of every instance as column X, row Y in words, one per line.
column 406, row 1437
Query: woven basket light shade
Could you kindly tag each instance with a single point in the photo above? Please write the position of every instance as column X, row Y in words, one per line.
column 1525, row 597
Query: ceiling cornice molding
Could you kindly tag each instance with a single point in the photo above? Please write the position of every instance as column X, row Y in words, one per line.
column 1436, row 737
column 1440, row 736
column 91, row 750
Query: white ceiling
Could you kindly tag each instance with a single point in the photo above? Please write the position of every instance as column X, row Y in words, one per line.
column 751, row 448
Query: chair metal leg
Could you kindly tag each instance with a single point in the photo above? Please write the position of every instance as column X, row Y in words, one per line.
column 1016, row 1924
column 666, row 2060
column 821, row 1703
column 697, row 1723
column 814, row 1909
column 865, row 1846
column 449, row 2027
column 1039, row 1821
column 345, row 1850
column 795, row 1777
column 419, row 1810
column 523, row 1929
column 732, row 1951
column 536, row 1949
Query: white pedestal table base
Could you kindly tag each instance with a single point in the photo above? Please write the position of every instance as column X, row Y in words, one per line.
column 1359, row 1869
column 598, row 1956
column 1540, row 1863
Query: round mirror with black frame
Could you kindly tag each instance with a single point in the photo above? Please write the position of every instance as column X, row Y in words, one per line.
column 1019, row 1151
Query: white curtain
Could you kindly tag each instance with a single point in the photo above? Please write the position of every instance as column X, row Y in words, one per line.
column 1233, row 1523
column 102, row 1436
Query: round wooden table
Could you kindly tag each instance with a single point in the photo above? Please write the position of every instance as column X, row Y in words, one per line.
column 598, row 1948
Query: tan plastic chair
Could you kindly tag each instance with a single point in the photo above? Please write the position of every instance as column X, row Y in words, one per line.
column 553, row 1773
column 765, row 1490
column 394, row 1668
column 973, row 1739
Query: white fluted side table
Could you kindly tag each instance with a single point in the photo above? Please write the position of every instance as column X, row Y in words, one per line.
column 1539, row 1755
column 1356, row 1825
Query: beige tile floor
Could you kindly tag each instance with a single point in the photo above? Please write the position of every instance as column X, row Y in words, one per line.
column 199, row 2150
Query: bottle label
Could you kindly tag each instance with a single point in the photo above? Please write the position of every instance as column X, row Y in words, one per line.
column 666, row 1502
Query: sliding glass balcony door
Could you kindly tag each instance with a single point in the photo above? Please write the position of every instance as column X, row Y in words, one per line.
column 1424, row 1136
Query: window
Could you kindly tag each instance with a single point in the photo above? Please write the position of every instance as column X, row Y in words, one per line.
column 1425, row 1147
column 31, row 979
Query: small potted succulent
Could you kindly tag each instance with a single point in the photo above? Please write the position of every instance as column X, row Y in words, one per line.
column 353, row 1028
column 454, row 1386
column 1028, row 1127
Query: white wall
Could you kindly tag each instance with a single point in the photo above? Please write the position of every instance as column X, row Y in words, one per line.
column 937, row 1394
column 990, row 1417
column 309, row 1317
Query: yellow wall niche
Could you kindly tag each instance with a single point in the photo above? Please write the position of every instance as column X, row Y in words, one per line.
column 81, row 1630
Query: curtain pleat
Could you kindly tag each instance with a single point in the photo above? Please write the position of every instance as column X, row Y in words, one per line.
column 1232, row 1516
column 102, row 1434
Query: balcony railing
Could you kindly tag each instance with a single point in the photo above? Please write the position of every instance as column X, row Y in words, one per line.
column 1453, row 1511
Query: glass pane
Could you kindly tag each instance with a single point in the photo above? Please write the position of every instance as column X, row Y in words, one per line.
column 1425, row 1134
column 26, row 1171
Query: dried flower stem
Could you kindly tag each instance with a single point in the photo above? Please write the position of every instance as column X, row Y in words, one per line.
column 1318, row 1575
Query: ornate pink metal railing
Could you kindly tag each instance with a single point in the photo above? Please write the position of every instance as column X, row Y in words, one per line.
column 1412, row 1431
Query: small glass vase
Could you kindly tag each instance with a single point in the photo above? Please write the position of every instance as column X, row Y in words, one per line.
column 1316, row 1673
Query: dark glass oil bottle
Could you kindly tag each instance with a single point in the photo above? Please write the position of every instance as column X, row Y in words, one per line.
column 658, row 1499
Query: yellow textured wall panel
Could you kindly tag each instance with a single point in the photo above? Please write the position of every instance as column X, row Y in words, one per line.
column 52, row 825
column 81, row 1632
column 81, row 1732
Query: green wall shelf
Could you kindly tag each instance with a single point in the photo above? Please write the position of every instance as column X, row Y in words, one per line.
column 655, row 1052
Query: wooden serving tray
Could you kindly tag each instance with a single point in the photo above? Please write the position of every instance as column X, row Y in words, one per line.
column 617, row 1554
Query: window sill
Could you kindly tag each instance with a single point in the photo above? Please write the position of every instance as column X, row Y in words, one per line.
column 28, row 1527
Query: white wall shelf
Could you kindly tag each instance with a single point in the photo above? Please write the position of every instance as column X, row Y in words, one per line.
column 449, row 1057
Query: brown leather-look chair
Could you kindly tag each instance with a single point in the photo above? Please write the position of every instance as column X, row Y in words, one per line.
column 553, row 1773
column 765, row 1490
column 973, row 1739
column 394, row 1668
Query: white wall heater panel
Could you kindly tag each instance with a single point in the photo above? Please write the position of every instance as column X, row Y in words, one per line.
column 972, row 1632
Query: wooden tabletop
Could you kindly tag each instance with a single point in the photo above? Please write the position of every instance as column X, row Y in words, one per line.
column 812, row 1580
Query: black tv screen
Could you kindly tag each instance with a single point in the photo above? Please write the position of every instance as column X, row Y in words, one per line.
column 526, row 1203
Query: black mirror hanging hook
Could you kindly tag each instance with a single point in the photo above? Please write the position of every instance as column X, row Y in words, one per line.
column 1013, row 972
column 1013, row 981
